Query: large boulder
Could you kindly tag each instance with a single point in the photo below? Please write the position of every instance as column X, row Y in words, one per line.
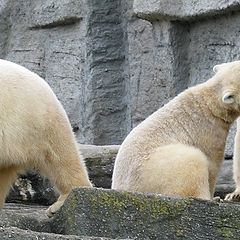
column 108, row 213
column 99, row 214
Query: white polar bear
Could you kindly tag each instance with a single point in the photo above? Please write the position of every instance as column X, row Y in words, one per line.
column 235, row 196
column 179, row 149
column 35, row 133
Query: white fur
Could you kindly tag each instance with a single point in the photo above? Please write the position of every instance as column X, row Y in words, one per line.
column 35, row 133
column 236, row 166
column 179, row 149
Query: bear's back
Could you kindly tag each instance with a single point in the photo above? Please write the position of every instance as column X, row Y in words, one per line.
column 19, row 86
column 14, row 76
column 29, row 109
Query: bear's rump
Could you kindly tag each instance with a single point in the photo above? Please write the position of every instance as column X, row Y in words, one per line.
column 176, row 169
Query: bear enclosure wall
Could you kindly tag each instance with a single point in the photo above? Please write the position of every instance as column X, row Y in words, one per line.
column 114, row 62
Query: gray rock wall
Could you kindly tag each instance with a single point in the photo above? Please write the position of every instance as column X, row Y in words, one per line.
column 114, row 62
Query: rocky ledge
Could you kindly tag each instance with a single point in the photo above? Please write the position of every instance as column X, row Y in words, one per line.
column 108, row 214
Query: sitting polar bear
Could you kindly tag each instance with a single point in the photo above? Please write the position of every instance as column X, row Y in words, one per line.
column 179, row 149
column 35, row 133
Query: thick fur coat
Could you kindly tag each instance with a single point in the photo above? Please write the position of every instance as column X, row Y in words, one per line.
column 179, row 149
column 235, row 196
column 35, row 133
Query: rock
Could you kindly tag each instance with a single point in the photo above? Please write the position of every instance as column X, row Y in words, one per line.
column 25, row 217
column 56, row 13
column 32, row 188
column 113, row 214
column 100, row 161
column 182, row 10
column 19, row 234
column 108, row 214
column 19, row 222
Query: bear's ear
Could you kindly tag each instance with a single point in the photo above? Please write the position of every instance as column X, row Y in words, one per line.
column 228, row 98
column 217, row 67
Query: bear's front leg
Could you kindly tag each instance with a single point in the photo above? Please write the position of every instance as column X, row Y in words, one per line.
column 66, row 174
column 235, row 196
column 7, row 177
column 57, row 205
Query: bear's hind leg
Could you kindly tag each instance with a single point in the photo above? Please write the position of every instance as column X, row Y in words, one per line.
column 7, row 177
column 177, row 170
column 66, row 174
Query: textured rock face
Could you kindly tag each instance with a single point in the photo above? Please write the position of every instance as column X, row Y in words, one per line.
column 99, row 161
column 76, row 47
column 21, row 222
column 19, row 234
column 107, row 214
column 139, row 216
column 108, row 64
column 184, row 10
column 225, row 183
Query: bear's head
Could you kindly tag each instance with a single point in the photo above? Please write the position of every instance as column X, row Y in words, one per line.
column 228, row 79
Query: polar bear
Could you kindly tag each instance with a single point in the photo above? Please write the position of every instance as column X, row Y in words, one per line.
column 235, row 196
column 179, row 149
column 35, row 133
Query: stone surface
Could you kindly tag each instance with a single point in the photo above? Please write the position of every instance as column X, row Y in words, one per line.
column 100, row 213
column 105, row 103
column 56, row 13
column 29, row 222
column 183, row 10
column 107, row 214
column 99, row 161
column 32, row 188
column 139, row 216
column 18, row 234
column 27, row 217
